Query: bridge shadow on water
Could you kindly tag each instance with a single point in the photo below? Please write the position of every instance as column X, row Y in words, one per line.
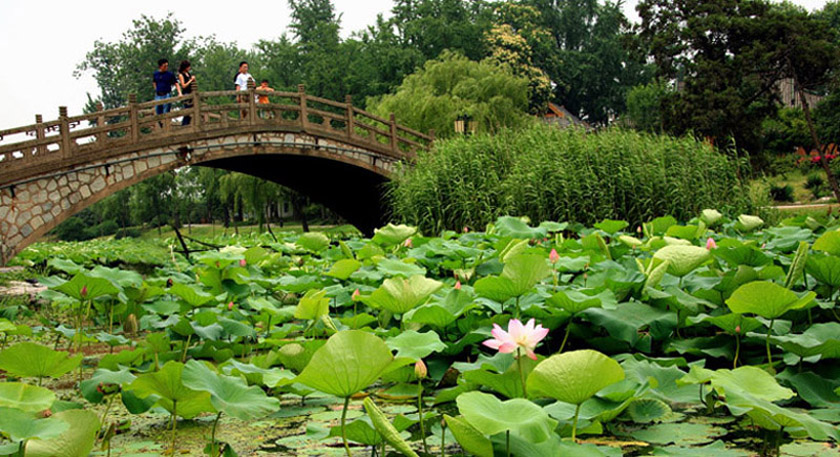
column 356, row 194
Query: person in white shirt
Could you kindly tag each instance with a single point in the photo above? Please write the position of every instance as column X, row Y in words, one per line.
column 241, row 83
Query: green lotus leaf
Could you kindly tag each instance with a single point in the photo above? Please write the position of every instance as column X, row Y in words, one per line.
column 819, row 339
column 825, row 269
column 729, row 322
column 175, row 397
column 575, row 301
column 612, row 226
column 747, row 223
column 414, row 345
column 392, row 235
column 829, row 242
column 91, row 286
column 472, row 440
column 521, row 417
column 752, row 380
column 647, row 410
column 313, row 305
column 21, row 425
column 514, row 227
column 192, row 294
column 683, row 259
column 630, row 241
column 25, row 397
column 710, row 216
column 766, row 299
column 519, row 275
column 394, row 267
column 743, row 255
column 400, row 295
column 313, row 241
column 34, row 360
column 574, row 377
column 344, row 268
column 350, row 361
column 229, row 394
column 684, row 232
column 89, row 387
column 76, row 441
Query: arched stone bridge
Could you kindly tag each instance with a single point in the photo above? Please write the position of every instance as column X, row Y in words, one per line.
column 333, row 152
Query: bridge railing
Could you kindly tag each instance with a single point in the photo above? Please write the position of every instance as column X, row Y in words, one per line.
column 70, row 140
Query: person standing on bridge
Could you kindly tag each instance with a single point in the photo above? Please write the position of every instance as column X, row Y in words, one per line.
column 185, row 80
column 262, row 99
column 241, row 83
column 163, row 82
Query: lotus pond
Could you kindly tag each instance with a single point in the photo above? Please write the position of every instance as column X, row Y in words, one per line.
column 716, row 336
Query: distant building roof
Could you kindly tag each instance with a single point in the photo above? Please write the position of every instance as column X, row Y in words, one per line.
column 558, row 115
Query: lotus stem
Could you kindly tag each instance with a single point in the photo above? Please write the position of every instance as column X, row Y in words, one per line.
column 521, row 372
column 767, row 344
column 507, row 442
column 575, row 423
column 107, row 408
column 566, row 336
column 186, row 346
column 420, row 410
column 737, row 350
column 344, row 428
column 174, row 423
column 213, row 433
column 442, row 438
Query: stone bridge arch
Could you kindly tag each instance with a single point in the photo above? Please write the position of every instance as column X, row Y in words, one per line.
column 326, row 154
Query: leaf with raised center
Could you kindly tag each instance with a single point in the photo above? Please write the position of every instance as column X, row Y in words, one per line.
column 520, row 274
column 76, row 441
column 344, row 268
column 174, row 395
column 34, row 360
column 392, row 235
column 229, row 394
column 468, row 437
column 83, row 287
column 825, row 269
column 574, row 377
column 350, row 361
column 414, row 345
column 521, row 417
column 683, row 259
column 766, row 299
column 400, row 295
column 25, row 397
column 829, row 242
column 21, row 425
column 313, row 241
column 313, row 305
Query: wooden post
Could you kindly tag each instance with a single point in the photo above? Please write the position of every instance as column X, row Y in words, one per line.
column 393, row 122
column 351, row 120
column 197, row 117
column 133, row 118
column 100, row 121
column 64, row 132
column 304, row 113
column 252, row 102
column 40, row 133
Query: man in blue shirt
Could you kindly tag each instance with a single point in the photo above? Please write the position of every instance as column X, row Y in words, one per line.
column 163, row 82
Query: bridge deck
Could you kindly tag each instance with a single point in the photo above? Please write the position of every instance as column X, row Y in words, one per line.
column 49, row 147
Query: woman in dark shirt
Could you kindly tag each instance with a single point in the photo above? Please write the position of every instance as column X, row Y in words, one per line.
column 185, row 80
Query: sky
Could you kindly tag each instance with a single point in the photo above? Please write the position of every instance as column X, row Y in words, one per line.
column 42, row 42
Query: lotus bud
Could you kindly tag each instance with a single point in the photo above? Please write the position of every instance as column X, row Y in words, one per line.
column 737, row 329
column 230, row 306
column 356, row 295
column 420, row 369
column 458, row 285
column 130, row 326
column 46, row 413
column 553, row 257
column 169, row 283
column 710, row 244
column 242, row 263
column 408, row 243
column 83, row 292
column 466, row 229
column 639, row 229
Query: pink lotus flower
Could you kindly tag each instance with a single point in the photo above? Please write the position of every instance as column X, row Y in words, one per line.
column 518, row 336
column 355, row 295
column 230, row 306
column 710, row 244
column 466, row 229
column 242, row 263
column 553, row 257
column 408, row 243
column 458, row 285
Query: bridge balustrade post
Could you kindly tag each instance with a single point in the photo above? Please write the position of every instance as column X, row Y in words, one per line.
column 304, row 113
column 40, row 134
column 133, row 118
column 393, row 125
column 100, row 121
column 64, row 132
column 351, row 119
column 252, row 102
column 197, row 118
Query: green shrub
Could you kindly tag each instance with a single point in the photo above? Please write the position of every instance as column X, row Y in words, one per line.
column 108, row 227
column 547, row 173
column 781, row 193
column 816, row 185
column 128, row 232
column 73, row 229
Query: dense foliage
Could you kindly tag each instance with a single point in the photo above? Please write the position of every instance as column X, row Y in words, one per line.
column 712, row 337
column 548, row 174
